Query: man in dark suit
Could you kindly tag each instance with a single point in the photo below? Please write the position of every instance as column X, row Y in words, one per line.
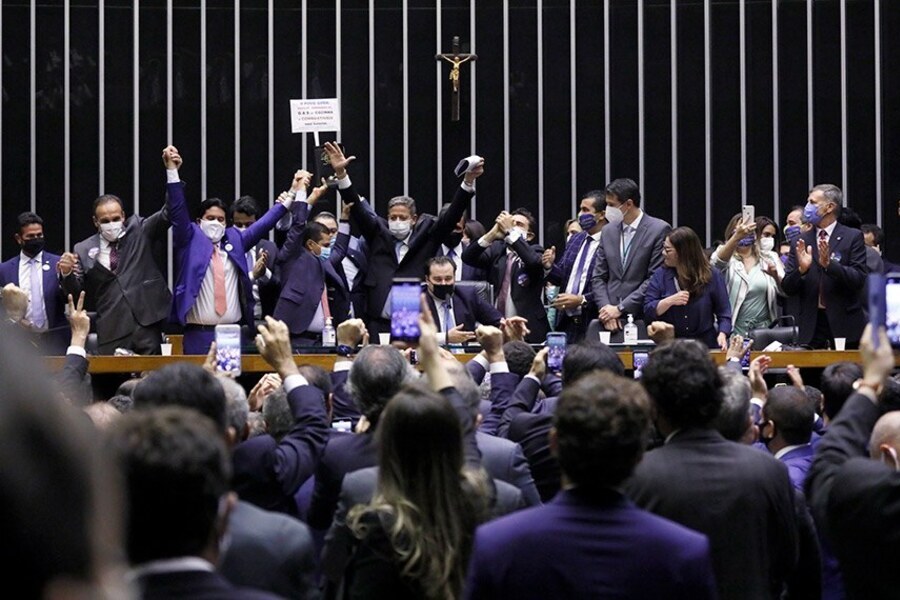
column 786, row 429
column 825, row 271
column 400, row 244
column 630, row 251
column 454, row 247
column 355, row 264
column 725, row 490
column 172, row 457
column 252, row 558
column 595, row 539
column 456, row 311
column 873, row 236
column 575, row 304
column 264, row 273
column 853, row 497
column 513, row 266
column 212, row 277
column 530, row 427
column 312, row 289
column 34, row 271
column 117, row 270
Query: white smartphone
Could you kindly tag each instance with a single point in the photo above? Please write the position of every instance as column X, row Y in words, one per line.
column 749, row 213
column 228, row 349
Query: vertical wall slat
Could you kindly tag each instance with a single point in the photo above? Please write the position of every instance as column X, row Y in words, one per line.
column 337, row 62
column 540, row 118
column 203, row 91
column 810, row 86
column 405, row 97
column 742, row 42
column 845, row 175
column 371, row 101
column 32, row 87
column 640, row 80
column 67, row 114
column 101, row 98
column 673, row 68
column 473, row 129
column 237, row 97
column 136, row 106
column 169, row 121
column 607, row 145
column 440, row 101
column 270, row 92
column 878, row 159
column 573, row 103
column 505, row 104
column 776, row 146
column 707, row 116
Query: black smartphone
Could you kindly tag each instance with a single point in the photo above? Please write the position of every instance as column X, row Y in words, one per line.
column 638, row 360
column 892, row 308
column 556, row 341
column 323, row 165
column 405, row 308
column 875, row 287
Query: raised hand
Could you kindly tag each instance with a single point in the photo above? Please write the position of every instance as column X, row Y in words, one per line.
column 259, row 267
column 338, row 161
column 15, row 302
column 79, row 321
column 457, row 335
column 317, row 193
column 514, row 328
column 548, row 257
column 171, row 157
column 67, row 263
column 680, row 298
column 301, row 180
column 474, row 174
column 758, row 368
column 804, row 257
column 351, row 333
column 274, row 343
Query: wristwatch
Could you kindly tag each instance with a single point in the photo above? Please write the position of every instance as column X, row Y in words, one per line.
column 621, row 308
column 344, row 350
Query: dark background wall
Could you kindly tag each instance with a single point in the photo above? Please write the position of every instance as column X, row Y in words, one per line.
column 698, row 165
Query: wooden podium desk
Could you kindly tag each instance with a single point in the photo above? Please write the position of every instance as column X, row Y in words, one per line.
column 255, row 364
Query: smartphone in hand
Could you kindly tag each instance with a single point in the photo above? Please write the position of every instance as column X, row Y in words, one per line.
column 638, row 360
column 749, row 213
column 405, row 308
column 228, row 349
column 556, row 342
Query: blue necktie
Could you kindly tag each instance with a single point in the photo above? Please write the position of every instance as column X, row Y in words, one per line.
column 576, row 283
column 37, row 317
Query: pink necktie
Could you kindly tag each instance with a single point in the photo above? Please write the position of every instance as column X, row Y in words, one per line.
column 219, row 282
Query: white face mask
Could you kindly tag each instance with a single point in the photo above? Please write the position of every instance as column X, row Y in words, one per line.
column 767, row 244
column 613, row 215
column 213, row 230
column 111, row 231
column 399, row 229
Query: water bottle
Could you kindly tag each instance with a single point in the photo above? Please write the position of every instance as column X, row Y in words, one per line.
column 328, row 334
column 630, row 332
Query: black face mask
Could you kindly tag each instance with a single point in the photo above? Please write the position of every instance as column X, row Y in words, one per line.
column 442, row 292
column 33, row 246
column 454, row 239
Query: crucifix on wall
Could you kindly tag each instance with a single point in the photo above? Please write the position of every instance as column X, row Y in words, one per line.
column 455, row 58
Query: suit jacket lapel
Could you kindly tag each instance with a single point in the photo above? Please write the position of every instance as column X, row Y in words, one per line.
column 614, row 259
column 636, row 241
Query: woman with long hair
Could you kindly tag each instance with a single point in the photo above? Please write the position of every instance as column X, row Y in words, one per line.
column 752, row 271
column 415, row 536
column 688, row 293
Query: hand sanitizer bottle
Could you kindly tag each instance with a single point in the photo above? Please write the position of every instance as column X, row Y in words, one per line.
column 328, row 334
column 630, row 331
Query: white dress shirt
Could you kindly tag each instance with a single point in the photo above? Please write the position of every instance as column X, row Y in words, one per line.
column 204, row 310
column 26, row 284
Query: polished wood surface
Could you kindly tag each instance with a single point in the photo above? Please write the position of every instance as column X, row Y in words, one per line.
column 256, row 364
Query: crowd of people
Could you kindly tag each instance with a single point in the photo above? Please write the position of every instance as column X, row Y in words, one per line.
column 411, row 474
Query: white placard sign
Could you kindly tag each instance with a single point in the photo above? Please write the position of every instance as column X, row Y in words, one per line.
column 322, row 114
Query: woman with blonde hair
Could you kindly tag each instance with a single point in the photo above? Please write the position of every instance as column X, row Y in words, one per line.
column 415, row 536
column 752, row 275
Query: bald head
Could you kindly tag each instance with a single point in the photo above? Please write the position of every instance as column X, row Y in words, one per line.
column 885, row 433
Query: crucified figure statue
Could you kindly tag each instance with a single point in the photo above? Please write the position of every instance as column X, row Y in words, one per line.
column 455, row 59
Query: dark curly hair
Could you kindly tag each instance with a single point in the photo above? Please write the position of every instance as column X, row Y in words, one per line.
column 684, row 383
column 602, row 426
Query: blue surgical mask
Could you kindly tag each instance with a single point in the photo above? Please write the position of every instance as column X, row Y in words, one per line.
column 325, row 253
column 792, row 233
column 747, row 241
column 811, row 212
column 587, row 221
